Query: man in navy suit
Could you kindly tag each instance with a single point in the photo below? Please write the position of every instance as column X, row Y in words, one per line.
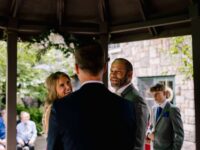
column 91, row 118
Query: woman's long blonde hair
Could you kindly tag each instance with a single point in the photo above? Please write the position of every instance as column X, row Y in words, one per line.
column 50, row 84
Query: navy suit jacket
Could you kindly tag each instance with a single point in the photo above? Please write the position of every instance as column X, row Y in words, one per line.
column 92, row 118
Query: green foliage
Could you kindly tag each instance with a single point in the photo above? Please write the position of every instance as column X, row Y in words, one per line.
column 2, row 67
column 65, row 43
column 35, row 115
column 182, row 46
column 54, row 40
column 31, row 74
column 28, row 77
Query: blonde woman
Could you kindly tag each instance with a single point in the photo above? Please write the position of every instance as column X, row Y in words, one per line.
column 58, row 85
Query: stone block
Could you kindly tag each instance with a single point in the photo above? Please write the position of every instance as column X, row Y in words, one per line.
column 152, row 52
column 191, row 104
column 155, row 61
column 189, row 112
column 192, row 120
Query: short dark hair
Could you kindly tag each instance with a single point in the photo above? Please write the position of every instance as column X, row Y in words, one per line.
column 127, row 63
column 90, row 57
column 158, row 87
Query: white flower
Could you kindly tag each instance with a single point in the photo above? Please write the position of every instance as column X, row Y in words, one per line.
column 42, row 42
column 71, row 45
column 56, row 38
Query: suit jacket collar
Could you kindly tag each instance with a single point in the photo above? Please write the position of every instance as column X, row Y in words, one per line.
column 127, row 90
column 91, row 85
column 162, row 105
column 120, row 90
column 164, row 111
column 91, row 81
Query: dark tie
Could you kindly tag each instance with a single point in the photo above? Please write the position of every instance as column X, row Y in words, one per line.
column 159, row 110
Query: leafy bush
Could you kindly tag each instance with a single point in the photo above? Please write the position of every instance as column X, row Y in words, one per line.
column 182, row 46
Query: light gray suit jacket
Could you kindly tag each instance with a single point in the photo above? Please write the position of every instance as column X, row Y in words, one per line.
column 168, row 129
column 142, row 113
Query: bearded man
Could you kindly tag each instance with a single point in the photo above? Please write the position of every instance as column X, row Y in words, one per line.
column 121, row 73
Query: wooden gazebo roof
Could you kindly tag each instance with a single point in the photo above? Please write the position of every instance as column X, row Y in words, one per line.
column 111, row 20
column 123, row 20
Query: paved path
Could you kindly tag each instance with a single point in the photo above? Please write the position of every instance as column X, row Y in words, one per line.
column 40, row 143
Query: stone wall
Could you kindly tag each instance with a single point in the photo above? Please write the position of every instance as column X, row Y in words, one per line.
column 152, row 58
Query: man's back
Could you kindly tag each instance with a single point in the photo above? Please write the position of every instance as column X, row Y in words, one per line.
column 92, row 118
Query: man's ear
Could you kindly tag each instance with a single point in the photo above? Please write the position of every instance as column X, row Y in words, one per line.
column 130, row 75
column 77, row 68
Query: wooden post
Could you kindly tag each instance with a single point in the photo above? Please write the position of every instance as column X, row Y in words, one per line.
column 103, row 9
column 195, row 11
column 11, row 89
column 104, row 43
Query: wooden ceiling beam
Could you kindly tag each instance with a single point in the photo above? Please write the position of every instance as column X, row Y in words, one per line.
column 14, row 7
column 60, row 11
column 195, row 1
column 73, row 30
column 150, row 23
column 103, row 7
column 104, row 14
column 112, row 30
column 3, row 25
column 146, row 36
column 143, row 10
column 78, row 30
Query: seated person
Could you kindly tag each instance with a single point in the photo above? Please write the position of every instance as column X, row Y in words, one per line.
column 2, row 130
column 26, row 132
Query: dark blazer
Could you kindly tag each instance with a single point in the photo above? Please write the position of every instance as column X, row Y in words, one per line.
column 92, row 118
column 142, row 113
column 168, row 128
